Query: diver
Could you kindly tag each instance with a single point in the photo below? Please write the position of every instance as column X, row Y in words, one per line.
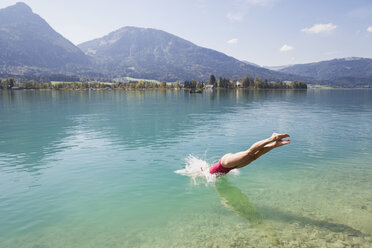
column 238, row 160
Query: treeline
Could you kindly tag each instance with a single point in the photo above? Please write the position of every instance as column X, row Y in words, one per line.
column 224, row 83
column 10, row 83
column 264, row 84
column 245, row 82
column 194, row 84
column 148, row 85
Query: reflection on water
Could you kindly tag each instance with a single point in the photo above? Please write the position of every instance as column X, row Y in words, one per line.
column 96, row 167
column 233, row 198
column 278, row 215
column 37, row 121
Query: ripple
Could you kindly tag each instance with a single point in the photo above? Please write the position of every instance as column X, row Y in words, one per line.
column 97, row 169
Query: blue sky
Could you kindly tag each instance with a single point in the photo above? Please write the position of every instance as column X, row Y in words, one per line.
column 266, row 32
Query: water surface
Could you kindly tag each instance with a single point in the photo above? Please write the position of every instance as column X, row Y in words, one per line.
column 96, row 169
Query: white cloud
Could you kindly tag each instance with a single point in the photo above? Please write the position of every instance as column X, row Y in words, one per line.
column 232, row 41
column 369, row 29
column 320, row 28
column 286, row 48
column 235, row 16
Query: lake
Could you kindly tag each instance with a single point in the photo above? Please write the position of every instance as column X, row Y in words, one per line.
column 97, row 169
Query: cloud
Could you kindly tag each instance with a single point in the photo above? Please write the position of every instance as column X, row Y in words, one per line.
column 235, row 16
column 286, row 48
column 369, row 29
column 320, row 28
column 232, row 41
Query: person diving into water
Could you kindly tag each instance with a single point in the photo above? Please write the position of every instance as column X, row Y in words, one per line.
column 238, row 160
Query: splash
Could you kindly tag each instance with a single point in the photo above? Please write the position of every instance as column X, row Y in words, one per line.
column 196, row 168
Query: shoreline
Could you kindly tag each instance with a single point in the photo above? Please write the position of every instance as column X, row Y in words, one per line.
column 183, row 89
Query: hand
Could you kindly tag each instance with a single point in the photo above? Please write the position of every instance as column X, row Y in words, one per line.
column 281, row 143
column 277, row 136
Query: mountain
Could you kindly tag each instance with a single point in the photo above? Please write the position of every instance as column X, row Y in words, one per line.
column 31, row 49
column 28, row 45
column 250, row 63
column 342, row 72
column 276, row 68
column 155, row 54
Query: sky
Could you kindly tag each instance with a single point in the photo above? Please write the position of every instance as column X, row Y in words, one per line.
column 265, row 32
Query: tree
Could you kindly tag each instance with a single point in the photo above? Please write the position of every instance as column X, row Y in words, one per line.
column 140, row 85
column 199, row 85
column 246, row 82
column 212, row 80
column 224, row 82
column 7, row 83
column 298, row 85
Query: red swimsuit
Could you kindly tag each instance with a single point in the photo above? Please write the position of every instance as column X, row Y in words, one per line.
column 217, row 168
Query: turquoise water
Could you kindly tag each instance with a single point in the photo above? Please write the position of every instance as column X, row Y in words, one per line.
column 96, row 169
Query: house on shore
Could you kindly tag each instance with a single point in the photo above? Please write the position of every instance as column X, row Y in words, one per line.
column 236, row 83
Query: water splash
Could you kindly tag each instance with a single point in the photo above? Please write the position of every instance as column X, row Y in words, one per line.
column 198, row 170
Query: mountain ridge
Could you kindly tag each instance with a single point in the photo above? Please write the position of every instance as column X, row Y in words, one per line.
column 347, row 71
column 29, row 43
column 30, row 48
column 151, row 53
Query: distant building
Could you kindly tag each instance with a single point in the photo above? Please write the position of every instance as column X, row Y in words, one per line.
column 236, row 83
column 209, row 86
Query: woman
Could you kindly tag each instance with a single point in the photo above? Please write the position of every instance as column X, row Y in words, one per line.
column 238, row 160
